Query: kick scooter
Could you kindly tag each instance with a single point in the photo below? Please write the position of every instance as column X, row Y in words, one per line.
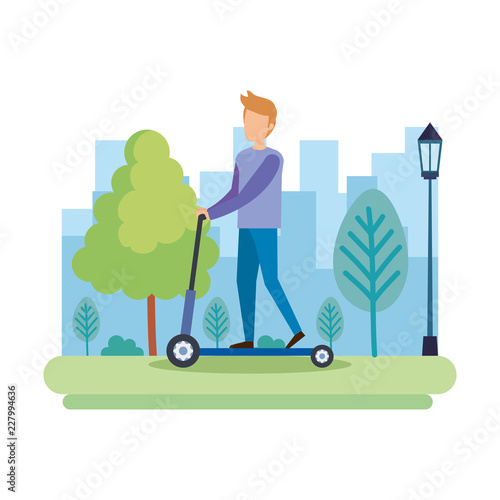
column 183, row 350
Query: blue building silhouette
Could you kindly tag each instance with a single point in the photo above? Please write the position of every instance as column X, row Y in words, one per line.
column 310, row 221
column 319, row 172
column 399, row 178
column 358, row 184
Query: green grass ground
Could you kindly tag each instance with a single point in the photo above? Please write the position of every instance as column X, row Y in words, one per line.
column 246, row 382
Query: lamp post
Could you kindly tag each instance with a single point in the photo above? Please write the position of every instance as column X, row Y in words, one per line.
column 429, row 149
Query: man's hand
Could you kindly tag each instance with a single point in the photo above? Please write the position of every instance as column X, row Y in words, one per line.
column 203, row 211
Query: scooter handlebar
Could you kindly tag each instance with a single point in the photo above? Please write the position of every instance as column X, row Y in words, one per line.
column 196, row 250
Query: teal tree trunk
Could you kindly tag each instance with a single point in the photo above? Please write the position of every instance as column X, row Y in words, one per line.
column 88, row 325
column 373, row 281
column 216, row 319
column 373, row 327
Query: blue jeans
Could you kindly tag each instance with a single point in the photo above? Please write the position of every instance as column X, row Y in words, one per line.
column 260, row 247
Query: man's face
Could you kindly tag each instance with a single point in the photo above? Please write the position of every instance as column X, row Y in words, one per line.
column 256, row 126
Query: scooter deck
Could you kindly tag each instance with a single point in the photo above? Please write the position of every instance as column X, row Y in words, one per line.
column 256, row 351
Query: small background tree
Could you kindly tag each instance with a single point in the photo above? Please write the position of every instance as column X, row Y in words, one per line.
column 144, row 237
column 370, row 259
column 216, row 321
column 330, row 320
column 86, row 321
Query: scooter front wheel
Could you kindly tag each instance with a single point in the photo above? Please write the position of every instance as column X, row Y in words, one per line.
column 322, row 356
column 183, row 351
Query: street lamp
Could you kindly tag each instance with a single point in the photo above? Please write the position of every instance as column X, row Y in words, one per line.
column 429, row 149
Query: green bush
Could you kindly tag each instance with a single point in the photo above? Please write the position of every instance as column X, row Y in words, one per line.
column 118, row 346
column 267, row 342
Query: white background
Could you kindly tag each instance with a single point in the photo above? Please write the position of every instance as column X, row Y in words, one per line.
column 430, row 57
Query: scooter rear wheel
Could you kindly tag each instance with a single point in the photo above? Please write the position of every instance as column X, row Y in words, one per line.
column 322, row 356
column 183, row 351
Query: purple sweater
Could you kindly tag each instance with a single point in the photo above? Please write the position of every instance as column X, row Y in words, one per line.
column 255, row 191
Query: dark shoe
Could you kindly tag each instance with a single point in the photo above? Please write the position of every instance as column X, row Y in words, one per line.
column 295, row 339
column 242, row 345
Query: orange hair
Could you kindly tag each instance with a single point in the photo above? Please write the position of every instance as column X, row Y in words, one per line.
column 261, row 106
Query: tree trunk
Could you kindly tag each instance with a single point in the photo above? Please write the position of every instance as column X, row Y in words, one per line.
column 151, row 325
column 373, row 324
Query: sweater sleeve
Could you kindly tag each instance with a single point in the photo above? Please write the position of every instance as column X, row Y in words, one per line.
column 257, row 183
column 232, row 192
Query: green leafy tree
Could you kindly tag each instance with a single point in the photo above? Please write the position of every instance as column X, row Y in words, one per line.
column 370, row 260
column 118, row 346
column 216, row 321
column 86, row 321
column 330, row 320
column 143, row 240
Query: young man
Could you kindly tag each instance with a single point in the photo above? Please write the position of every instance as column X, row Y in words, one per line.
column 256, row 194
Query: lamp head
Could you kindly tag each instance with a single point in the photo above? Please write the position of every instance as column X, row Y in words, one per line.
column 429, row 150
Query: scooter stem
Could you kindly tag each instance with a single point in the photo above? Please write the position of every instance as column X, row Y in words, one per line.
column 196, row 251
column 187, row 315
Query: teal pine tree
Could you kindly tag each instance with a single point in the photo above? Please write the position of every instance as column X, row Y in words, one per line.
column 86, row 321
column 370, row 259
column 330, row 321
column 216, row 323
